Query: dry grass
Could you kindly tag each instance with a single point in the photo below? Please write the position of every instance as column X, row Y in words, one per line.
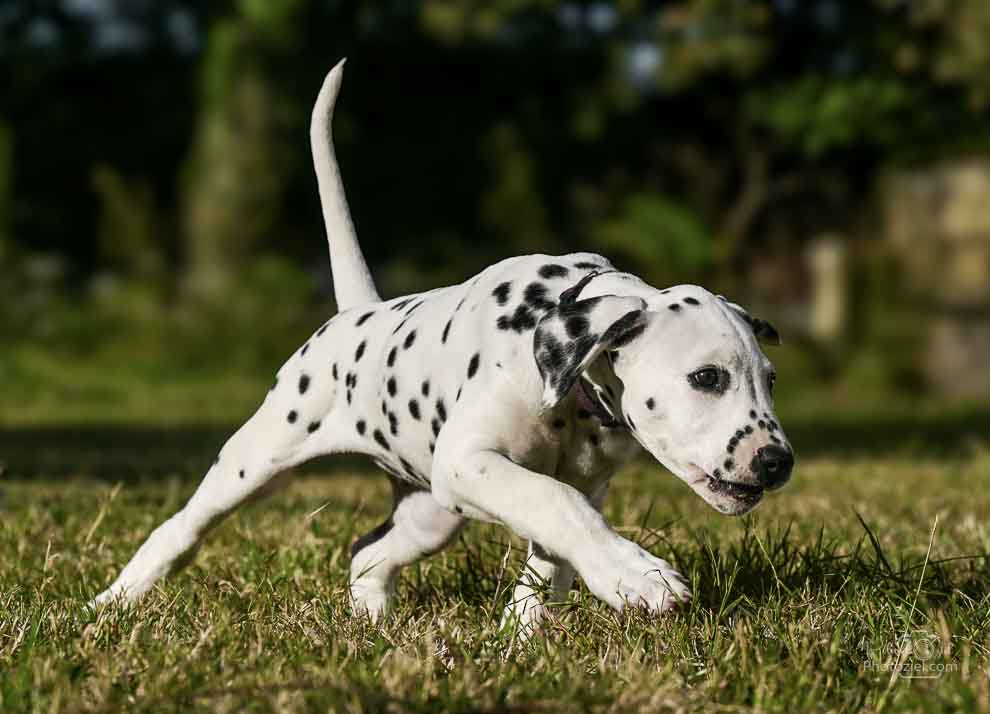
column 801, row 607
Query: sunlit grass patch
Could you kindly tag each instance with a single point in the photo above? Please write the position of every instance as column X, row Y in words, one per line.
column 809, row 604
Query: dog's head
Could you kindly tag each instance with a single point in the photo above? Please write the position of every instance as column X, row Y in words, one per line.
column 683, row 370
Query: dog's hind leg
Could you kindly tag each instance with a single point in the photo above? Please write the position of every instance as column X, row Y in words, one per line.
column 284, row 432
column 543, row 572
column 417, row 527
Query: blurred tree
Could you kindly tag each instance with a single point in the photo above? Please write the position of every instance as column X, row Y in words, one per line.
column 130, row 225
column 6, row 169
column 235, row 178
column 960, row 52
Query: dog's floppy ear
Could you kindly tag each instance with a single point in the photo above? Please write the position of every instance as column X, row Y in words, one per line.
column 764, row 331
column 572, row 334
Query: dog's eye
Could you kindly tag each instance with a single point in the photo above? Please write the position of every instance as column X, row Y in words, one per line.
column 771, row 380
column 710, row 379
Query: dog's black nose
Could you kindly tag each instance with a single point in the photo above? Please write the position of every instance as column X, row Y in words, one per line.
column 773, row 466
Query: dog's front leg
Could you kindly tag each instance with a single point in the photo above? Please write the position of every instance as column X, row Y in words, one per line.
column 486, row 485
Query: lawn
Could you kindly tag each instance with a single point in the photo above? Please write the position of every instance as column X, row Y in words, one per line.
column 823, row 600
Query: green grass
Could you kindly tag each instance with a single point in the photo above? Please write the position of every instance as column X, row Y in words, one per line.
column 799, row 607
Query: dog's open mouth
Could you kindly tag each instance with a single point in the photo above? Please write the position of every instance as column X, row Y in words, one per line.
column 746, row 492
column 745, row 495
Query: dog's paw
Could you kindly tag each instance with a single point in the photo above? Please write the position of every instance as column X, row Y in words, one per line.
column 629, row 575
column 370, row 600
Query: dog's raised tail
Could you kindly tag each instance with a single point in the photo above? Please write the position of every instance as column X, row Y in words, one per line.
column 352, row 282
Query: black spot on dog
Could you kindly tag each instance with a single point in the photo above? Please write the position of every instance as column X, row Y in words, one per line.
column 520, row 320
column 752, row 413
column 393, row 423
column 553, row 270
column 729, row 464
column 410, row 338
column 401, row 304
column 576, row 326
column 411, row 310
column 585, row 265
column 674, row 306
column 425, row 388
column 717, row 473
column 460, row 304
column 762, row 424
column 380, row 438
column 374, row 536
column 731, row 448
column 400, row 325
column 414, row 409
column 691, row 301
column 458, row 509
column 446, row 332
column 359, row 352
column 305, row 349
column 501, row 293
column 433, row 447
column 348, row 397
column 457, row 397
column 363, row 319
column 391, row 356
column 333, row 371
column 384, row 408
column 292, row 416
column 664, row 292
column 241, row 473
column 774, row 439
column 473, row 365
column 772, row 424
column 313, row 426
column 740, row 434
column 391, row 386
column 559, row 424
column 303, row 383
column 441, row 410
column 435, row 425
column 361, row 426
column 651, row 403
column 319, row 333
column 749, row 429
column 535, row 296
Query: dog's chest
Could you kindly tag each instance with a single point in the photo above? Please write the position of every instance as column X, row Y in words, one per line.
column 574, row 447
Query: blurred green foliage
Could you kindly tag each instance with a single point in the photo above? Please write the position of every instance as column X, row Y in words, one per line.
column 154, row 156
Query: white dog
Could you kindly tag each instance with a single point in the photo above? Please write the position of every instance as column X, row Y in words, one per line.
column 511, row 398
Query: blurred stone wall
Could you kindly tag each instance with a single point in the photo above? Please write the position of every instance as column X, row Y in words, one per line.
column 937, row 225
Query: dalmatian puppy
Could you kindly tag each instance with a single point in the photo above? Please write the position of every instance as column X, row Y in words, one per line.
column 510, row 398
